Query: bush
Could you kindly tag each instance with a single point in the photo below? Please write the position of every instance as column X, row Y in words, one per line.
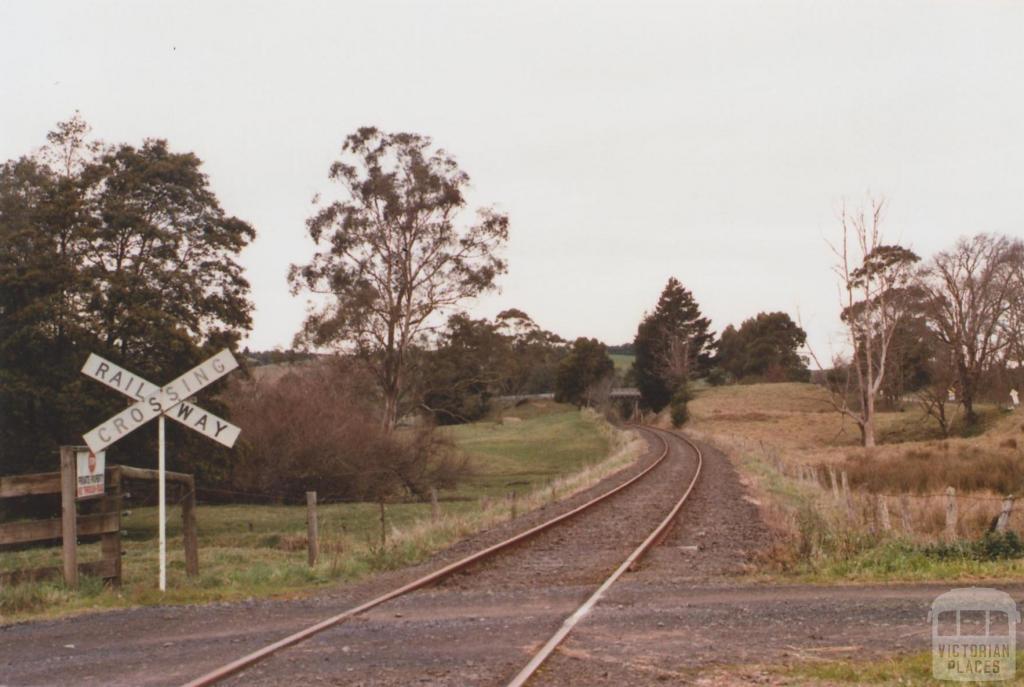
column 679, row 406
column 994, row 546
column 315, row 429
column 717, row 377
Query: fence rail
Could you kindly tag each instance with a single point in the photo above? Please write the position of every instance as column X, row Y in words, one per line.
column 105, row 523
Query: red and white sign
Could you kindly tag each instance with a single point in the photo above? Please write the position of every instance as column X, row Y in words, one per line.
column 91, row 469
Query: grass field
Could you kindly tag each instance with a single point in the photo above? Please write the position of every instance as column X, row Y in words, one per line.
column 623, row 361
column 787, row 440
column 532, row 445
column 251, row 550
column 800, row 416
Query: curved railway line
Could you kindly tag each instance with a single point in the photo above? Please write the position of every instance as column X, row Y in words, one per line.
column 237, row 666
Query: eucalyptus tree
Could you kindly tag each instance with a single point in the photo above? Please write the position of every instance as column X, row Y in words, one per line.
column 393, row 252
column 873, row 278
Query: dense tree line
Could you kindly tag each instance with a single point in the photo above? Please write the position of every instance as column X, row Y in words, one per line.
column 765, row 348
column 116, row 249
column 942, row 332
column 278, row 356
column 585, row 375
column 476, row 360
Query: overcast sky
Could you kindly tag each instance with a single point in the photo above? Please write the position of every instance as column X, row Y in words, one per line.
column 628, row 142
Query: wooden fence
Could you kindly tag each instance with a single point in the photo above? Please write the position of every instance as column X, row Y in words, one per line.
column 100, row 517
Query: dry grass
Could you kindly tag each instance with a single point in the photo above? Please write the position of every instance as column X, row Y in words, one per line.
column 792, row 454
column 968, row 466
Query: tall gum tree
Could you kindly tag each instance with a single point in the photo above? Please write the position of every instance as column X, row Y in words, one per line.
column 872, row 276
column 391, row 254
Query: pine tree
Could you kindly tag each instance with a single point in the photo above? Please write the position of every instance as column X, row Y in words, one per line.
column 673, row 345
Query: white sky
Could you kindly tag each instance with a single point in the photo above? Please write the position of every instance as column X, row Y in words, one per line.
column 628, row 142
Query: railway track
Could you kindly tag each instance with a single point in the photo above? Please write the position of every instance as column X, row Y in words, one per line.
column 573, row 620
column 249, row 660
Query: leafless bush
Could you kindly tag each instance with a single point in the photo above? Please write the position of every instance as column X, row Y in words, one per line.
column 315, row 429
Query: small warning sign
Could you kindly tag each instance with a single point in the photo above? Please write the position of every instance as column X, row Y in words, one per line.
column 91, row 469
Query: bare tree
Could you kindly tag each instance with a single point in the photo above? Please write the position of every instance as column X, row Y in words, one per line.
column 972, row 291
column 1013, row 327
column 934, row 396
column 392, row 256
column 871, row 276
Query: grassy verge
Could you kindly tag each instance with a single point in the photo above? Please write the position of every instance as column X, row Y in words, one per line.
column 890, row 524
column 907, row 669
column 821, row 540
column 257, row 551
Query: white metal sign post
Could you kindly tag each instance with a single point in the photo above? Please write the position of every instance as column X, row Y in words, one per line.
column 151, row 402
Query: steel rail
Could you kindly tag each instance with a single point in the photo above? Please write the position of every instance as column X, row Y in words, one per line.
column 567, row 626
column 248, row 660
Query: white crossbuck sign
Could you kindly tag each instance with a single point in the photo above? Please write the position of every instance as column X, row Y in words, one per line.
column 153, row 401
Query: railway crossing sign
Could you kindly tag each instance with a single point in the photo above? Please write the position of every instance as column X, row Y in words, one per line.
column 152, row 401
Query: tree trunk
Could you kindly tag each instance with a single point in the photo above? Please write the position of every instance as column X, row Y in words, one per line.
column 868, row 429
column 970, row 417
column 967, row 392
column 390, row 418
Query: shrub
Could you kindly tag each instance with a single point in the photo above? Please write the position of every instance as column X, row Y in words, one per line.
column 717, row 377
column 315, row 428
column 994, row 546
column 679, row 406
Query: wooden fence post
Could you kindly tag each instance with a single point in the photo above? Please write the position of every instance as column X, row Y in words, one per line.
column 846, row 494
column 905, row 514
column 883, row 514
column 512, row 505
column 69, row 515
column 951, row 513
column 435, row 509
column 1004, row 515
column 834, row 481
column 110, row 544
column 190, row 530
column 383, row 525
column 312, row 530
